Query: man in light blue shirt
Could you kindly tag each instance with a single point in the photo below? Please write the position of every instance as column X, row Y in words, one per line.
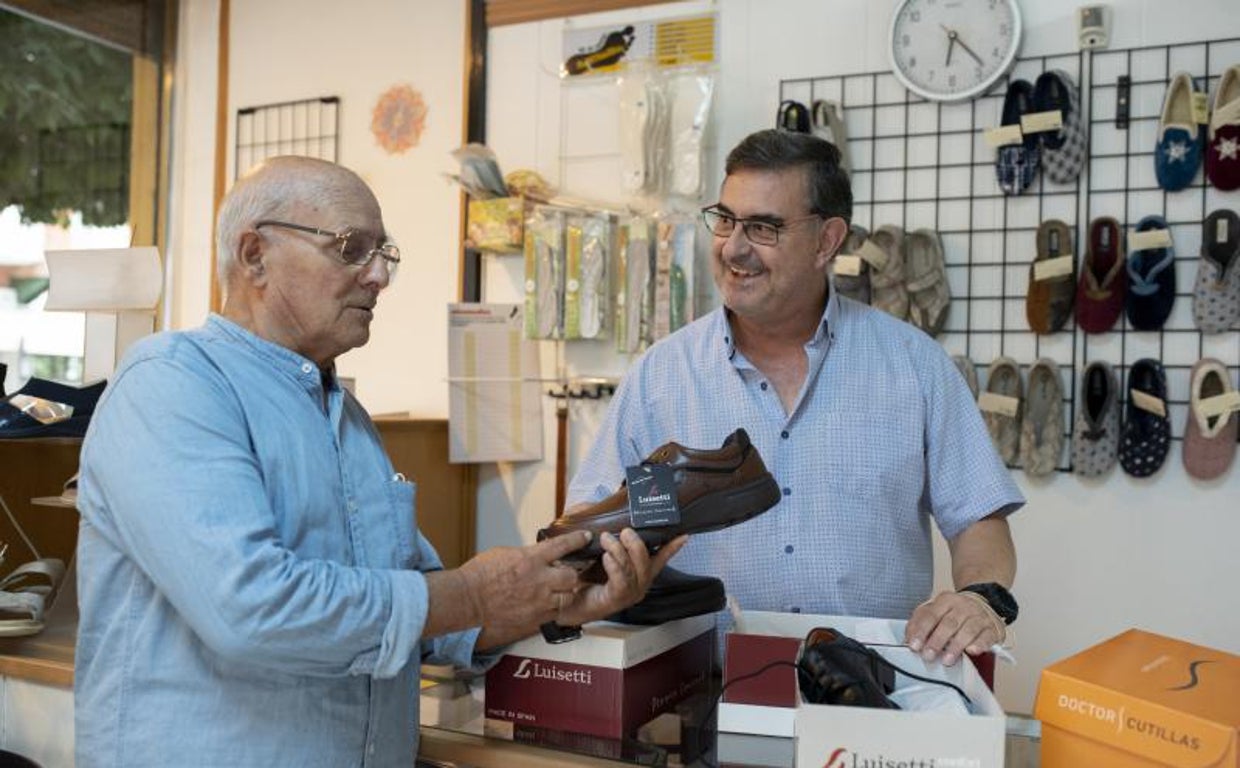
column 253, row 587
column 864, row 421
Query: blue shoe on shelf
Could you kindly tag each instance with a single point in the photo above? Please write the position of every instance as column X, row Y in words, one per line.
column 1016, row 165
column 47, row 409
column 1177, row 154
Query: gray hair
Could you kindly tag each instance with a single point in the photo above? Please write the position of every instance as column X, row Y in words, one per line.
column 274, row 189
column 774, row 149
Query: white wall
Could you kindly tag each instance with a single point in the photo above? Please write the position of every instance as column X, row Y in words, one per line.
column 286, row 50
column 1095, row 557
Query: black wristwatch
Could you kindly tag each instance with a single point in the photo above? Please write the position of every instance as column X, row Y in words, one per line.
column 999, row 599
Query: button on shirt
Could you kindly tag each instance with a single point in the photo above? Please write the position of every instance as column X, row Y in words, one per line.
column 884, row 436
column 249, row 569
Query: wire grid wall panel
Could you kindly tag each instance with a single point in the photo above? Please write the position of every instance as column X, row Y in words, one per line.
column 310, row 128
column 922, row 164
column 1122, row 184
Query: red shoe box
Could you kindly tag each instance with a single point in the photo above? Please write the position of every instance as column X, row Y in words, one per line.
column 608, row 683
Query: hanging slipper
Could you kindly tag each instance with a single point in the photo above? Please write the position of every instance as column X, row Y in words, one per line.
column 1095, row 436
column 885, row 253
column 850, row 272
column 1002, row 407
column 1041, row 429
column 925, row 279
column 827, row 124
column 1052, row 279
column 1147, row 431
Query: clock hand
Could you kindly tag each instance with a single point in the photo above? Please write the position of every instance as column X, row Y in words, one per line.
column 969, row 51
column 951, row 44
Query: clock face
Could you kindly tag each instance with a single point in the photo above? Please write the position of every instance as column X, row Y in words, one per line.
column 949, row 50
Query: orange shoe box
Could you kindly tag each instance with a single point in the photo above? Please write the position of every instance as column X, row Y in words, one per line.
column 1138, row 700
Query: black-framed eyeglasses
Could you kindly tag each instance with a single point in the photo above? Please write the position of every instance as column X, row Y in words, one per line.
column 355, row 249
column 757, row 231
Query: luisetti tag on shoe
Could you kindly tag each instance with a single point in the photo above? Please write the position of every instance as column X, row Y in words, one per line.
column 652, row 495
column 1004, row 135
column 1148, row 403
column 1150, row 238
column 1048, row 269
column 1003, row 405
column 1201, row 107
column 847, row 264
column 1219, row 405
column 874, row 255
column 1041, row 122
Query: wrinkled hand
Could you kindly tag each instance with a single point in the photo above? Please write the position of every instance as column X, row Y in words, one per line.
column 953, row 623
column 513, row 589
column 630, row 569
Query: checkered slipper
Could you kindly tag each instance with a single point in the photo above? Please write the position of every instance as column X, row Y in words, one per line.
column 1095, row 436
column 926, row 281
column 1063, row 151
column 1016, row 165
column 1146, row 435
column 1223, row 137
column 887, row 289
column 1216, row 292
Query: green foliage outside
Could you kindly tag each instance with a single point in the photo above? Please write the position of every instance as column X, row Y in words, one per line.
column 65, row 107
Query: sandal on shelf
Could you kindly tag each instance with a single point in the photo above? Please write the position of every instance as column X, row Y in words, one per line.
column 26, row 593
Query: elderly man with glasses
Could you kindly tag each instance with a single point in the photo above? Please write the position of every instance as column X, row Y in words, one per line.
column 253, row 586
column 864, row 420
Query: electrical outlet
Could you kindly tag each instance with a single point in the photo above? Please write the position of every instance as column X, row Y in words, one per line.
column 1092, row 27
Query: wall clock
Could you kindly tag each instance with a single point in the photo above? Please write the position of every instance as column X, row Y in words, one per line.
column 951, row 50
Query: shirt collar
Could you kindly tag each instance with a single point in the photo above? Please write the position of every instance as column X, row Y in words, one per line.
column 823, row 336
column 298, row 366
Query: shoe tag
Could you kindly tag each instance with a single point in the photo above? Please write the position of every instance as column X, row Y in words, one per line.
column 1048, row 269
column 1004, row 135
column 652, row 495
column 1148, row 402
column 1220, row 230
column 848, row 265
column 1000, row 404
column 1220, row 405
column 1150, row 238
column 874, row 254
column 1201, row 107
column 1041, row 122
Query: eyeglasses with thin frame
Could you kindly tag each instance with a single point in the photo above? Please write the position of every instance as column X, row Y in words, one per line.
column 353, row 250
column 757, row 231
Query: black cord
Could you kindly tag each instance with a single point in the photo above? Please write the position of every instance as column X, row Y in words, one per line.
column 748, row 676
column 882, row 660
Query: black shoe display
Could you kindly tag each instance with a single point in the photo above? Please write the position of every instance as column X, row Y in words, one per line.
column 47, row 409
column 835, row 669
column 674, row 595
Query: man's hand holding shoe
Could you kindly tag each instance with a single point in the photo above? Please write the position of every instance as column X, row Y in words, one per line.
column 510, row 591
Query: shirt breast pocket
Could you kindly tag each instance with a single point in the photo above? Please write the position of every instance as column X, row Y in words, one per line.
column 872, row 456
column 402, row 512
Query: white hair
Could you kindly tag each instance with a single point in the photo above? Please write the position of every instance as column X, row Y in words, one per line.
column 272, row 190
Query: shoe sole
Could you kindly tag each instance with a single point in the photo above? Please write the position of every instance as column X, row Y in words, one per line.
column 749, row 500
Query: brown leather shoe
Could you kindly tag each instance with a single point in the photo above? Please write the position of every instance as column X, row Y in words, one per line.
column 714, row 488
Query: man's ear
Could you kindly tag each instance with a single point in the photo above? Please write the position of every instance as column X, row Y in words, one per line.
column 250, row 251
column 830, row 238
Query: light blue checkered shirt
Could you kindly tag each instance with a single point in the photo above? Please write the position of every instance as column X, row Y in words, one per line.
column 884, row 436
